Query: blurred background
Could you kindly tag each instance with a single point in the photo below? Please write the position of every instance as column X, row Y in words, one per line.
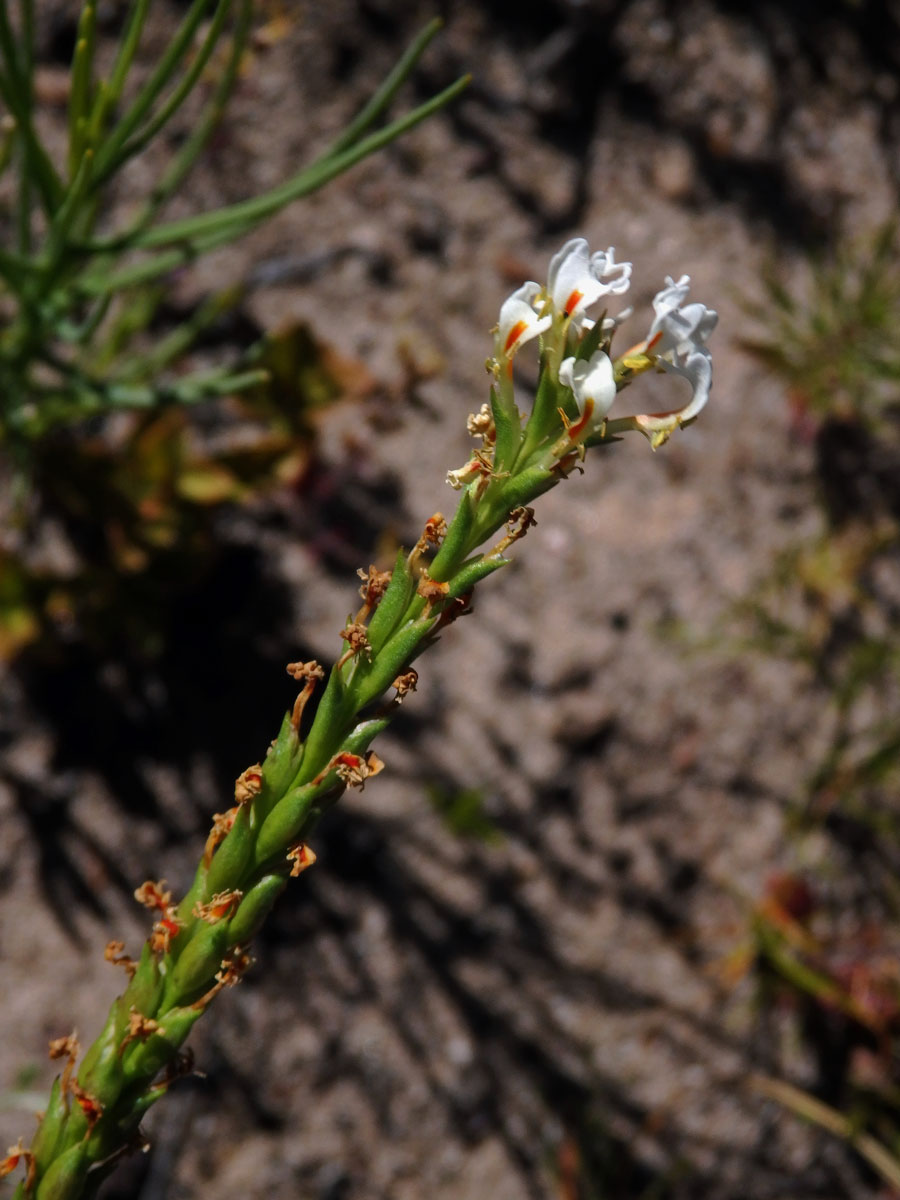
column 621, row 917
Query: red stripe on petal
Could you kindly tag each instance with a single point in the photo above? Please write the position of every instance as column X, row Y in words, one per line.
column 578, row 427
column 572, row 303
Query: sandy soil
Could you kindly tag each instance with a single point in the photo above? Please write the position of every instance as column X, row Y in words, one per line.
column 430, row 1015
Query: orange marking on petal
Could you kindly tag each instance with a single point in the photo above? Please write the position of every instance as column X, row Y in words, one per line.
column 653, row 341
column 572, row 303
column 578, row 427
column 514, row 334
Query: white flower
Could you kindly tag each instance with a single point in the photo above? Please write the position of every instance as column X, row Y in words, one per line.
column 677, row 340
column 577, row 279
column 683, row 330
column 520, row 320
column 594, row 388
column 669, row 300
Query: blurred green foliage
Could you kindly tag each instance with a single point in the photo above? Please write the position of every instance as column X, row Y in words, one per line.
column 75, row 340
column 828, row 949
column 100, row 448
column 838, row 979
column 831, row 600
column 835, row 344
column 463, row 812
column 132, row 514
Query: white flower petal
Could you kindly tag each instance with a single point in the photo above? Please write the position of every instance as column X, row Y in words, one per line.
column 519, row 320
column 697, row 369
column 604, row 266
column 677, row 340
column 576, row 279
column 568, row 268
column 669, row 299
column 566, row 373
column 593, row 386
column 683, row 329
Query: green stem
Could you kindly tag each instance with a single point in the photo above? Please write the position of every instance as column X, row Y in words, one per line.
column 235, row 219
column 238, row 881
column 184, row 89
column 16, row 92
column 81, row 86
column 188, row 153
column 108, row 94
column 111, row 155
column 202, row 234
column 27, row 78
column 388, row 89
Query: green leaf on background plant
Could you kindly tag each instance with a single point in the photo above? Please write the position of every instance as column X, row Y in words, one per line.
column 208, row 483
column 464, row 813
column 834, row 343
column 305, row 374
column 19, row 623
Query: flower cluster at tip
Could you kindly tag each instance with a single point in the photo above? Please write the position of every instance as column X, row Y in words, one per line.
column 577, row 280
column 580, row 377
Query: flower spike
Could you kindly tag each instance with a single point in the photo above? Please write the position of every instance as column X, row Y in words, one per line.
column 200, row 945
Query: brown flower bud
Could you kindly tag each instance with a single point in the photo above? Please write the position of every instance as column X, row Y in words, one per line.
column 248, row 784
column 431, row 591
column 221, row 907
column 435, row 529
column 375, row 584
column 356, row 637
column 302, row 857
column 140, row 1028
column 69, row 1048
column 89, row 1104
column 14, row 1155
column 115, row 954
column 306, row 670
column 481, row 424
column 354, row 770
column 153, row 895
column 406, row 683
